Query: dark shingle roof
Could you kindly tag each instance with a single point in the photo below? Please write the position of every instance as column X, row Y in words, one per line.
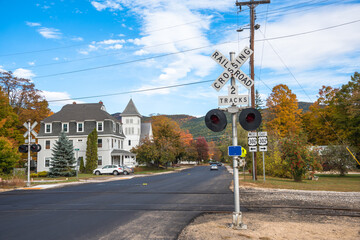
column 80, row 112
column 130, row 110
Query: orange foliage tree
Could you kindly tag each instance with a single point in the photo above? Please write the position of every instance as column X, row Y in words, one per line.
column 283, row 115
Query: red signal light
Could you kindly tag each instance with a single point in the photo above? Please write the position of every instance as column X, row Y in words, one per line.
column 250, row 117
column 214, row 119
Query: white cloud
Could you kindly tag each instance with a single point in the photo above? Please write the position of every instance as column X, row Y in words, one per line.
column 108, row 44
column 78, row 39
column 33, row 24
column 51, row 33
column 111, row 41
column 24, row 73
column 55, row 96
column 112, row 5
column 116, row 46
column 31, row 63
column 56, row 59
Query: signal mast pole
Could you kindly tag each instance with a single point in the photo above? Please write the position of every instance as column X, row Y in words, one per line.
column 252, row 4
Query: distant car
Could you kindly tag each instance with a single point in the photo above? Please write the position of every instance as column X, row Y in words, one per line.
column 127, row 170
column 214, row 167
column 219, row 164
column 109, row 169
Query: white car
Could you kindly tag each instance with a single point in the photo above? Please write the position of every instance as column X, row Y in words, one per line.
column 214, row 167
column 109, row 169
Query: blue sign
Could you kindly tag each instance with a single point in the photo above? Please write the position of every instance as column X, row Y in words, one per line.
column 235, row 151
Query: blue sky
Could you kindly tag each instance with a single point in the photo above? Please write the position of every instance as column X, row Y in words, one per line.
column 113, row 49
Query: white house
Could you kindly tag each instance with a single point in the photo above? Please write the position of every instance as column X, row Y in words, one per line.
column 134, row 129
column 77, row 121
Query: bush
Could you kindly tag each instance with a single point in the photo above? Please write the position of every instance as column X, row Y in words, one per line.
column 298, row 157
column 33, row 175
column 42, row 174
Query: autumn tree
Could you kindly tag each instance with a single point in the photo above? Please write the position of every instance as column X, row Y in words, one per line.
column 319, row 122
column 202, row 149
column 24, row 98
column 282, row 116
column 9, row 121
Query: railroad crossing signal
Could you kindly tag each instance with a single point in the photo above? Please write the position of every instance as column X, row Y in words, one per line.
column 232, row 69
column 31, row 130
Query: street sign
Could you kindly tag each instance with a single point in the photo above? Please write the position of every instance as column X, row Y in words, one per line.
column 232, row 69
column 262, row 141
column 233, row 100
column 252, row 134
column 263, row 148
column 252, row 141
column 31, row 130
column 235, row 150
column 262, row 134
column 252, row 148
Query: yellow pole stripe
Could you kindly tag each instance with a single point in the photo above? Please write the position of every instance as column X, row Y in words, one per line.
column 352, row 155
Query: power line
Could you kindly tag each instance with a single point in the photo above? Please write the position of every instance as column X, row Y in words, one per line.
column 134, row 91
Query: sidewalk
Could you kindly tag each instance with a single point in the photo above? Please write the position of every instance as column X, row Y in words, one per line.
column 93, row 180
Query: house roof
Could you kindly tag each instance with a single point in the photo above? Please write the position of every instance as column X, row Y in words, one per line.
column 131, row 110
column 81, row 112
column 145, row 130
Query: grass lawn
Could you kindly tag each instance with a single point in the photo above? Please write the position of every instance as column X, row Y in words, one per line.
column 326, row 182
column 149, row 170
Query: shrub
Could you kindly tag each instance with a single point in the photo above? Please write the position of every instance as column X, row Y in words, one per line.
column 297, row 157
column 33, row 175
column 42, row 174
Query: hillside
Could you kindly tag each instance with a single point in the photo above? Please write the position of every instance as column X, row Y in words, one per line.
column 196, row 126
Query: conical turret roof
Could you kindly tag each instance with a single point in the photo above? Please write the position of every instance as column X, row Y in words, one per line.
column 131, row 110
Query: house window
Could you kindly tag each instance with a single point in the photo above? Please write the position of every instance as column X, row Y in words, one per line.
column 47, row 162
column 100, row 126
column 132, row 131
column 131, row 120
column 99, row 160
column 80, row 127
column 112, row 143
column 47, row 144
column 122, row 145
column 47, row 127
column 65, row 127
column 129, row 142
column 119, row 144
column 114, row 127
column 120, row 129
column 99, row 143
column 79, row 140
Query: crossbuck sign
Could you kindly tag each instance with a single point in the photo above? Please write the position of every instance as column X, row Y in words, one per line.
column 232, row 69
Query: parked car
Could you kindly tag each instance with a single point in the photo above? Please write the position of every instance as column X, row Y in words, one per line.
column 109, row 169
column 214, row 167
column 127, row 170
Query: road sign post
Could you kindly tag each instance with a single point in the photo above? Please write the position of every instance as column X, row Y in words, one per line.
column 263, row 140
column 27, row 134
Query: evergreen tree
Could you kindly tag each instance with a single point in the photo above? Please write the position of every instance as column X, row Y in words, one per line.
column 91, row 152
column 63, row 160
column 82, row 165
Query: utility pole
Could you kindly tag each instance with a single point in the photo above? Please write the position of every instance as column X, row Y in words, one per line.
column 252, row 4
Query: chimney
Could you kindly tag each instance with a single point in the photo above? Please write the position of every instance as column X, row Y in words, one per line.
column 101, row 102
column 74, row 102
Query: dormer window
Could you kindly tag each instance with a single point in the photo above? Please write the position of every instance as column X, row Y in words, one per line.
column 100, row 126
column 48, row 128
column 65, row 127
column 80, row 127
column 114, row 127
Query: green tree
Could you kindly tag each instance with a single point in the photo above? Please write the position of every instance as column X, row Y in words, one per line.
column 82, row 165
column 297, row 157
column 336, row 157
column 63, row 159
column 91, row 152
column 147, row 152
column 8, row 156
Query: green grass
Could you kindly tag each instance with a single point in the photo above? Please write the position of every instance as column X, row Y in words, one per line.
column 326, row 182
column 150, row 170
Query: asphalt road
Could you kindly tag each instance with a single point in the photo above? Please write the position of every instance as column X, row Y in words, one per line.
column 154, row 207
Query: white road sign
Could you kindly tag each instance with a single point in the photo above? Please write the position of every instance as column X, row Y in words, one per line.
column 263, row 148
column 252, row 134
column 262, row 141
column 233, row 100
column 262, row 134
column 31, row 130
column 252, row 148
column 252, row 141
column 232, row 69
